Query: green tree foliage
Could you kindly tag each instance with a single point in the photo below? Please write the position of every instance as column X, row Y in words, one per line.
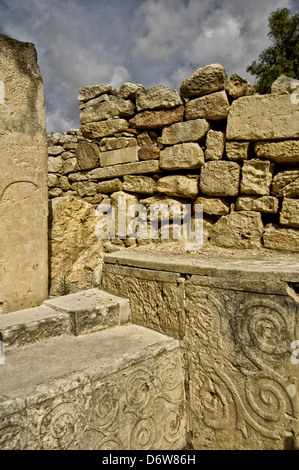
column 283, row 56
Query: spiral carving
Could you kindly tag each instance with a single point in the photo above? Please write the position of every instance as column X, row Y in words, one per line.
column 143, row 435
column 138, row 388
column 110, row 443
column 171, row 374
column 105, row 403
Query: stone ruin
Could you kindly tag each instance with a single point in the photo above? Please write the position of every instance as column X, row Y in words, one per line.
column 131, row 343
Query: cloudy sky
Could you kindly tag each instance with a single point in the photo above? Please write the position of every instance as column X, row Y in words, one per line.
column 153, row 42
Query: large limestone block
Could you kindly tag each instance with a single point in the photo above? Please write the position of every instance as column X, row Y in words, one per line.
column 119, row 156
column 215, row 143
column 55, row 150
column 284, row 84
column 256, row 177
column 75, row 257
column 115, row 107
column 90, row 92
column 238, row 86
column 237, row 150
column 160, row 96
column 23, row 179
column 111, row 186
column 238, row 230
column 204, row 80
column 87, row 155
column 263, row 117
column 128, row 90
column 139, row 168
column 182, row 157
column 108, row 128
column 289, row 214
column 156, row 119
column 213, row 205
column 220, row 178
column 86, row 188
column 190, row 131
column 284, row 152
column 213, row 107
column 114, row 143
column 286, row 184
column 178, row 185
column 280, row 238
column 267, row 204
column 139, row 184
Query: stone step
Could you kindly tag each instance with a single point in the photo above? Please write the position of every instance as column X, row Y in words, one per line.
column 73, row 314
column 119, row 388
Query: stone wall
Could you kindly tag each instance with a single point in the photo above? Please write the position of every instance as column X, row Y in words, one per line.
column 215, row 143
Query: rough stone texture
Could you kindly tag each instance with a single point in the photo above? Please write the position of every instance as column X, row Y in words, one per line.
column 213, row 107
column 267, row 204
column 129, row 90
column 215, row 143
column 86, row 188
column 204, row 80
column 285, row 152
column 93, row 102
column 55, row 150
column 263, row 117
column 214, row 206
column 149, row 152
column 55, row 164
column 120, row 156
column 237, row 150
column 160, row 96
column 139, row 184
column 97, row 130
column 156, row 119
column 145, row 139
column 238, row 230
column 220, row 178
column 182, row 157
column 52, row 180
column 90, row 92
column 289, row 214
column 110, row 186
column 280, row 238
column 87, row 155
column 70, row 165
column 178, row 185
column 191, row 131
column 286, row 184
column 23, row 179
column 115, row 107
column 114, row 143
column 238, row 86
column 125, row 391
column 284, row 84
column 75, row 257
column 127, row 169
column 155, row 206
column 256, row 177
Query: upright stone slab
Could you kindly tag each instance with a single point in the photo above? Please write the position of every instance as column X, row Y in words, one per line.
column 23, row 179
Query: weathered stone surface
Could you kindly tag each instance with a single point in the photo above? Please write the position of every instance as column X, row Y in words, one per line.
column 285, row 152
column 121, row 202
column 95, row 101
column 237, row 150
column 54, row 139
column 55, row 150
column 111, row 186
column 238, row 86
column 156, row 119
column 71, row 147
column 86, row 188
column 117, row 157
column 87, row 155
column 263, row 117
column 90, row 92
column 76, row 256
column 267, row 204
column 160, row 96
column 55, row 192
column 215, row 143
column 213, row 107
column 204, row 80
column 52, row 180
column 70, row 165
column 114, row 143
column 161, row 207
column 149, row 152
column 256, row 177
column 67, row 155
column 178, row 185
column 286, row 184
column 238, row 230
column 115, row 107
column 284, row 84
column 138, row 168
column 74, row 177
column 64, row 183
column 289, row 214
column 279, row 238
column 23, row 179
column 182, row 157
column 145, row 139
column 220, row 178
column 129, row 90
column 139, row 184
column 55, row 164
column 214, row 206
column 190, row 131
column 104, row 129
